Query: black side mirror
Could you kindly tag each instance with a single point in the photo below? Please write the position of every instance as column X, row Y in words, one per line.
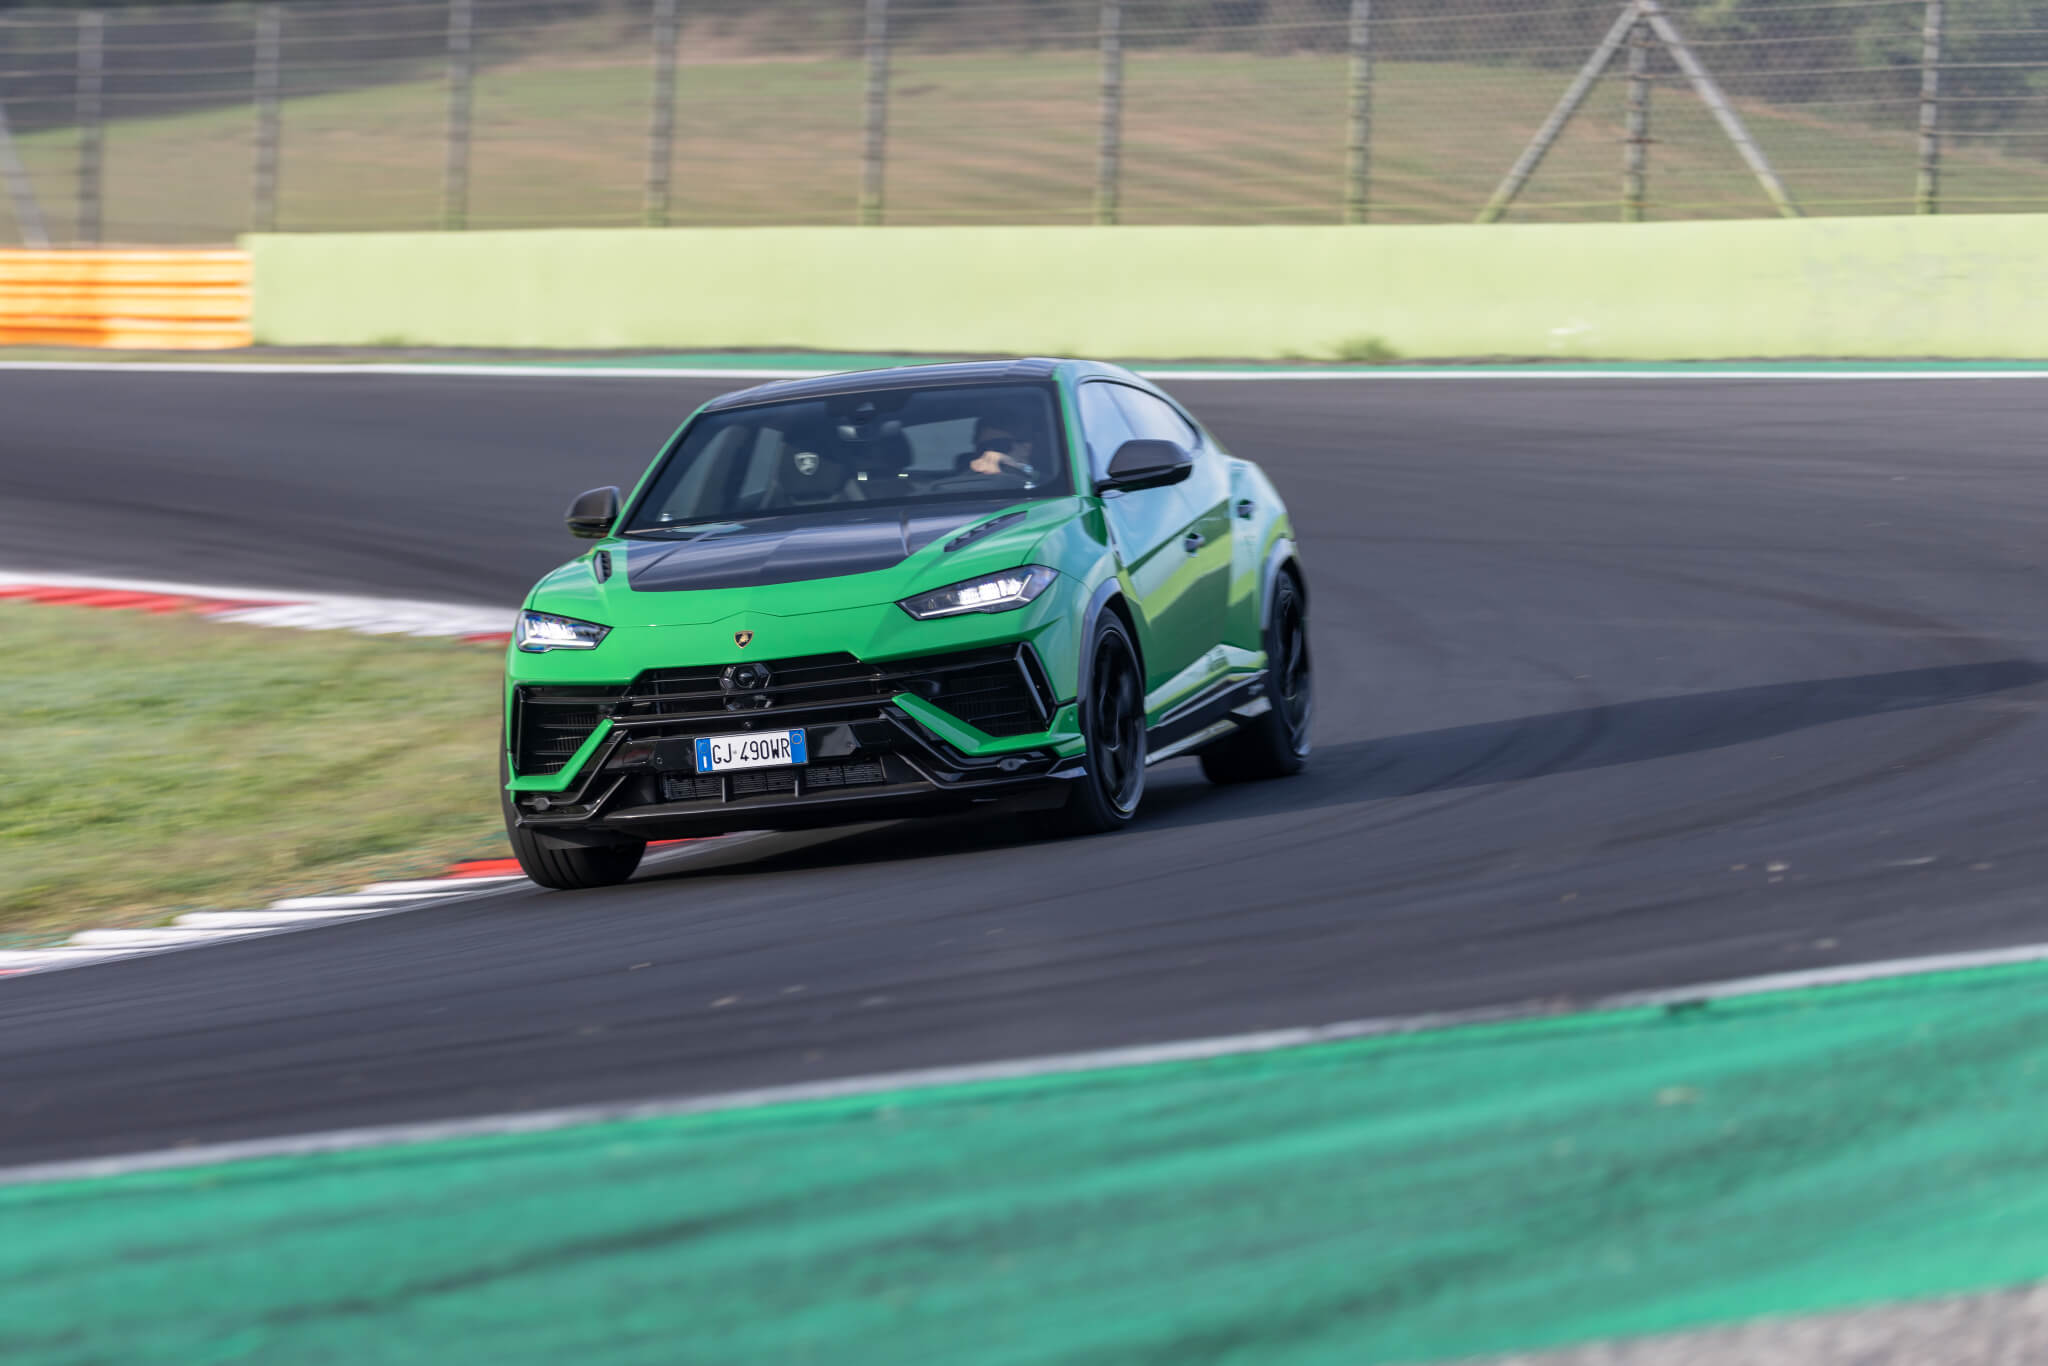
column 1145, row 463
column 593, row 513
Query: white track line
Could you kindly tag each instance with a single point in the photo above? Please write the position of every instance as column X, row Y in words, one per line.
column 1534, row 370
column 163, row 935
column 195, row 929
column 439, row 884
column 352, row 900
column 1191, row 1050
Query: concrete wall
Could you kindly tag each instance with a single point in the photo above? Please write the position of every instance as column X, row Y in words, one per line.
column 1954, row 286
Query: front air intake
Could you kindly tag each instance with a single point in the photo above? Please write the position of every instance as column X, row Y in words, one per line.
column 550, row 724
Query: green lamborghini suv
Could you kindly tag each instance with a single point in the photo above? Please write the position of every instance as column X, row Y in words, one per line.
column 877, row 595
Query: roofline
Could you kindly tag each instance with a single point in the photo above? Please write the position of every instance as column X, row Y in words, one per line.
column 942, row 373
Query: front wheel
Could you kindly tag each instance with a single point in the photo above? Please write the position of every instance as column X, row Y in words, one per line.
column 566, row 868
column 1274, row 743
column 1113, row 722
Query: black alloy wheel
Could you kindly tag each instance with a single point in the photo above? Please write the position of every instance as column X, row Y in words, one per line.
column 1275, row 743
column 1113, row 721
column 1293, row 688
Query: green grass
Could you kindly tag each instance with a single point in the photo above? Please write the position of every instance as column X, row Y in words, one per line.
column 1208, row 138
column 159, row 764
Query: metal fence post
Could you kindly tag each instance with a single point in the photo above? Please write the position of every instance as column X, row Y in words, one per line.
column 269, row 45
column 92, row 27
column 661, row 122
column 461, row 74
column 1928, row 197
column 1718, row 105
column 1358, row 143
column 874, row 145
column 28, row 214
column 1574, row 96
column 1636, row 148
column 1109, row 142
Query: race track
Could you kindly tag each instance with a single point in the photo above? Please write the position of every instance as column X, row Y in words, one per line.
column 1623, row 684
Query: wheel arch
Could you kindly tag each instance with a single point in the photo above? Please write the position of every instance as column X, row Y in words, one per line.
column 1108, row 597
column 1280, row 557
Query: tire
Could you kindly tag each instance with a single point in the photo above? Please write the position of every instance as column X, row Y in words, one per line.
column 566, row 868
column 1113, row 721
column 1274, row 744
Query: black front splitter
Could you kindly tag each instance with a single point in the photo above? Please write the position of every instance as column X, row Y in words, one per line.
column 882, row 802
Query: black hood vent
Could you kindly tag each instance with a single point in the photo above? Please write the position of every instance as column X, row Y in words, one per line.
column 773, row 550
column 975, row 533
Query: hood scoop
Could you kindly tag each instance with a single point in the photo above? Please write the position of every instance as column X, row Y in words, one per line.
column 784, row 550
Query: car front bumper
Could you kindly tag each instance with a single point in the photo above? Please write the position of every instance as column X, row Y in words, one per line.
column 641, row 781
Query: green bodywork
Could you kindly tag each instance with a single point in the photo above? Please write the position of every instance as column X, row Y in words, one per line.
column 1197, row 614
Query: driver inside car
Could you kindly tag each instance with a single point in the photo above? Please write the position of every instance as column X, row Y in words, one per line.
column 1001, row 446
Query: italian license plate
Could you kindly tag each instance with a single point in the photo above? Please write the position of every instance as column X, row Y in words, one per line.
column 756, row 749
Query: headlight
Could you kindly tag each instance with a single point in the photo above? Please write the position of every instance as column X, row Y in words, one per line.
column 991, row 593
column 540, row 631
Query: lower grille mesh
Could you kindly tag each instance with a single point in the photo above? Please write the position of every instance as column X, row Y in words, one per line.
column 688, row 787
column 551, row 724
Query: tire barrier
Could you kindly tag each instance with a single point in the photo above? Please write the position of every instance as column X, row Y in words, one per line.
column 140, row 300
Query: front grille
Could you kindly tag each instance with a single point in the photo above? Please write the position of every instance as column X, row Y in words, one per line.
column 999, row 691
column 687, row 787
column 844, row 775
column 550, row 724
column 690, row 787
column 753, row 784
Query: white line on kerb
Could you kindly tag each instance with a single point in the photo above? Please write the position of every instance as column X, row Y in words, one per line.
column 1182, row 373
column 1141, row 1055
column 293, row 607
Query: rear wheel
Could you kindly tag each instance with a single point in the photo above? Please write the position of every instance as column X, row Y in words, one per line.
column 1113, row 722
column 566, row 868
column 1274, row 743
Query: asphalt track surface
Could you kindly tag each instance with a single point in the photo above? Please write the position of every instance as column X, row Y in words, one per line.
column 1622, row 685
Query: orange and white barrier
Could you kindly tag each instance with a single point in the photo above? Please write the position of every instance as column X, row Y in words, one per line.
column 139, row 300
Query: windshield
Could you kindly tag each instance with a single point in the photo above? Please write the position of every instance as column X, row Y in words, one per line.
column 885, row 447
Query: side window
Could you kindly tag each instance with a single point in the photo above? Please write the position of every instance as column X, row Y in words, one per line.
column 1155, row 419
column 1102, row 418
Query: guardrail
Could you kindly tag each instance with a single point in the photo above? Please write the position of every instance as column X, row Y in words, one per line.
column 145, row 300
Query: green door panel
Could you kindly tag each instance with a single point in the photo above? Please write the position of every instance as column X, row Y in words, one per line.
column 1146, row 527
column 1199, row 608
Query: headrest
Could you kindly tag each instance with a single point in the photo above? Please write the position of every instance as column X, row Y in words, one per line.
column 808, row 474
column 884, row 455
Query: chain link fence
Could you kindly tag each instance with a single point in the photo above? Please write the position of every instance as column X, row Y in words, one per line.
column 193, row 123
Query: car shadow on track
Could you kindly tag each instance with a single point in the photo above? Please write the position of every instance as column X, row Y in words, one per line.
column 1584, row 738
column 1446, row 759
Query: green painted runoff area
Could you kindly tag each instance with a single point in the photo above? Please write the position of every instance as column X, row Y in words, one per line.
column 1882, row 288
column 1405, row 1199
